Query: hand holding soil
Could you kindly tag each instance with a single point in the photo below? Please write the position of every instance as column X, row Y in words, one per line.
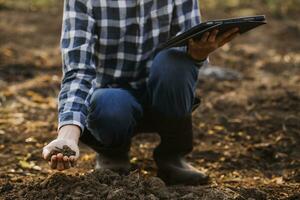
column 66, row 151
column 61, row 153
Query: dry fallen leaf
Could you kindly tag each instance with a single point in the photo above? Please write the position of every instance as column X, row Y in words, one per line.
column 26, row 165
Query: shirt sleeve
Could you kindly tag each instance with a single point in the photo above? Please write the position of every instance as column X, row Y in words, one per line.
column 79, row 60
column 186, row 14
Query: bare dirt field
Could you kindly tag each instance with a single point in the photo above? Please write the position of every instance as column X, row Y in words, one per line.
column 247, row 131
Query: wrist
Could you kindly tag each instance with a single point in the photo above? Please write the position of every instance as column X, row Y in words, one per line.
column 198, row 58
column 69, row 132
column 198, row 61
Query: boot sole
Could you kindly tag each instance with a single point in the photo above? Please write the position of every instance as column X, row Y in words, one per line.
column 170, row 179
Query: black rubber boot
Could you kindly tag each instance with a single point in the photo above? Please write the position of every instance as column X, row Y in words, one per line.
column 176, row 142
column 116, row 160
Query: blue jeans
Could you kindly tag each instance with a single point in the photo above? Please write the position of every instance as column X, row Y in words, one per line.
column 115, row 114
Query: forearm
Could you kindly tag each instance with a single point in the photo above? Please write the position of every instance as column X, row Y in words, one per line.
column 79, row 63
column 69, row 132
column 73, row 97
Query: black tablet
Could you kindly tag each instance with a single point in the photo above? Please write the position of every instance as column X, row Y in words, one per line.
column 244, row 24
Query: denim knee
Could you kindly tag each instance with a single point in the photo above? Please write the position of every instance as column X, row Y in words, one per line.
column 172, row 83
column 112, row 116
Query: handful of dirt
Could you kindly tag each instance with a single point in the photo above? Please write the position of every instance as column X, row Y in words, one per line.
column 66, row 151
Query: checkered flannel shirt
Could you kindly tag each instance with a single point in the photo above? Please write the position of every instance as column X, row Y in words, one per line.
column 111, row 44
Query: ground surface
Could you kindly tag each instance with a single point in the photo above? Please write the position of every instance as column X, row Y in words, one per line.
column 247, row 132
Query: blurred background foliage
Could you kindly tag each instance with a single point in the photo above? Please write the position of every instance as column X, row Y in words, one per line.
column 29, row 5
column 279, row 8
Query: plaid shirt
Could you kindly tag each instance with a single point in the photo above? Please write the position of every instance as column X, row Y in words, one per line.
column 111, row 44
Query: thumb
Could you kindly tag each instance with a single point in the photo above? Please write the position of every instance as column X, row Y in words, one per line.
column 46, row 153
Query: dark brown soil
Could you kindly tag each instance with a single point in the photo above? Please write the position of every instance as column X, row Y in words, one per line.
column 105, row 184
column 66, row 151
column 247, row 131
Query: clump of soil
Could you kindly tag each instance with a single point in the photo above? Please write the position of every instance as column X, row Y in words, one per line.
column 66, row 151
column 105, row 184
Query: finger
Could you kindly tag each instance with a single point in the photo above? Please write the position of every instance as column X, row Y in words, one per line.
column 68, row 165
column 53, row 162
column 46, row 154
column 60, row 165
column 60, row 156
column 205, row 37
column 66, row 162
column 72, row 160
column 213, row 35
column 191, row 42
column 192, row 45
column 228, row 39
column 66, row 158
column 227, row 34
column 60, row 162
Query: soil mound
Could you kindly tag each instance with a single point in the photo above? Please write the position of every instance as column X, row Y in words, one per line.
column 105, row 184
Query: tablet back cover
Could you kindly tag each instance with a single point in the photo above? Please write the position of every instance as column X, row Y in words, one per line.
column 223, row 26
